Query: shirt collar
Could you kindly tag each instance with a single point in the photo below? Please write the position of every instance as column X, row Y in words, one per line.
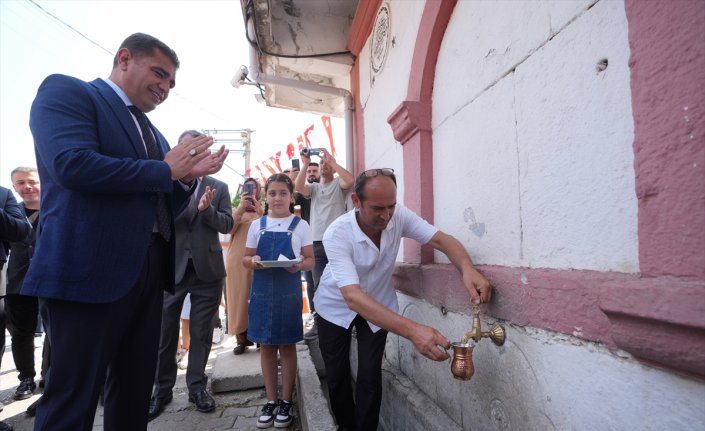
column 121, row 94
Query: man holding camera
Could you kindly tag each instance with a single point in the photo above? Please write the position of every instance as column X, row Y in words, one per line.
column 327, row 204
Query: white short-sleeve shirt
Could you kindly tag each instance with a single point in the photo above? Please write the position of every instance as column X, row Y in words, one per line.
column 300, row 238
column 354, row 259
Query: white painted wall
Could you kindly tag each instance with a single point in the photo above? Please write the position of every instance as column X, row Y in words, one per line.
column 538, row 140
column 540, row 380
column 381, row 97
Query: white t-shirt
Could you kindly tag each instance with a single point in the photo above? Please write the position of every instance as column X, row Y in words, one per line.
column 354, row 259
column 300, row 238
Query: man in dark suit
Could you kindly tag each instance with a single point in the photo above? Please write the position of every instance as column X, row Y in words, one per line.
column 13, row 227
column 22, row 309
column 200, row 271
column 105, row 248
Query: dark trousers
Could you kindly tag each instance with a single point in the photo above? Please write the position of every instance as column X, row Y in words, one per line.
column 22, row 321
column 115, row 343
column 205, row 299
column 2, row 327
column 363, row 413
column 321, row 260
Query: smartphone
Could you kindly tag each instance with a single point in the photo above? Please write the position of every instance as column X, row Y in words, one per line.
column 248, row 188
column 295, row 164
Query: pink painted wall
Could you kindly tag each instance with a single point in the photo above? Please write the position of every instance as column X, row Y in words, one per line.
column 667, row 41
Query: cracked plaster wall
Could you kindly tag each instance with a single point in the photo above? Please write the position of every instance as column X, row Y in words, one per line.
column 542, row 380
column 539, row 135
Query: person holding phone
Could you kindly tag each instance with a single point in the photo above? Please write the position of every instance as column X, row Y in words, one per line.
column 239, row 279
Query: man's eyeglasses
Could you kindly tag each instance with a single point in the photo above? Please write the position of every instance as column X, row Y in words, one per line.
column 371, row 173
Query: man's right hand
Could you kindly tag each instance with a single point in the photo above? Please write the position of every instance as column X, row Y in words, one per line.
column 180, row 159
column 427, row 341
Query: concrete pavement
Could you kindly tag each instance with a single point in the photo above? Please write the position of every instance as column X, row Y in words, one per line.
column 238, row 405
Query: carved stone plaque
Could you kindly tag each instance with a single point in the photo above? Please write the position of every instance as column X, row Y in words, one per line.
column 381, row 35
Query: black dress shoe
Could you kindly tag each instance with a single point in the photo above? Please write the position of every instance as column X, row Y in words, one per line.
column 204, row 402
column 25, row 389
column 156, row 406
column 32, row 408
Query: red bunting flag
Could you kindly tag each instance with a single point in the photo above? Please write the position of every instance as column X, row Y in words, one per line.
column 306, row 132
column 290, row 150
column 329, row 130
column 275, row 160
column 269, row 168
column 248, row 172
column 261, row 174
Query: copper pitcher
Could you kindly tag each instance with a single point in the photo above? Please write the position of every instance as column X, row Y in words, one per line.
column 462, row 366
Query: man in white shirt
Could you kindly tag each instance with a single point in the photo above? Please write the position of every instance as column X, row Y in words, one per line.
column 356, row 290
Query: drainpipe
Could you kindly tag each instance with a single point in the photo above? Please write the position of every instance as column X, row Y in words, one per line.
column 262, row 78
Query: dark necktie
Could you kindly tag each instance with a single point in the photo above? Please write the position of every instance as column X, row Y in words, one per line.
column 163, row 218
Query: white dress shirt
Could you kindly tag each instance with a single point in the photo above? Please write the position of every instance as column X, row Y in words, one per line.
column 354, row 259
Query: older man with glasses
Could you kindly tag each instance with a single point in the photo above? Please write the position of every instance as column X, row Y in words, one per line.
column 356, row 291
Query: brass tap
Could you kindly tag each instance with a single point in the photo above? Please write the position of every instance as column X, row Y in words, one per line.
column 496, row 333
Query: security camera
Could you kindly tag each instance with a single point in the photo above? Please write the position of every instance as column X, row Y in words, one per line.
column 239, row 77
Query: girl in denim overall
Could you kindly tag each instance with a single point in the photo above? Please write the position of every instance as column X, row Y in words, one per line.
column 276, row 299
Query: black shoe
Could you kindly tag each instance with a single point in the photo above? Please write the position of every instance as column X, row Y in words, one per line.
column 156, row 406
column 284, row 416
column 239, row 349
column 32, row 408
column 25, row 389
column 266, row 418
column 5, row 427
column 204, row 402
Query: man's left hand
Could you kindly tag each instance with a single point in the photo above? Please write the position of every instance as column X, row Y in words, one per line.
column 209, row 165
column 479, row 287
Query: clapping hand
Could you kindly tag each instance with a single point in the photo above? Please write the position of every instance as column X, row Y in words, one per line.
column 206, row 199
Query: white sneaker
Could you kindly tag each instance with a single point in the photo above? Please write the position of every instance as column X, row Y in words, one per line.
column 266, row 418
column 183, row 363
column 217, row 335
column 180, row 353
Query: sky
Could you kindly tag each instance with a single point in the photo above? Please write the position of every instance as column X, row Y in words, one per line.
column 80, row 38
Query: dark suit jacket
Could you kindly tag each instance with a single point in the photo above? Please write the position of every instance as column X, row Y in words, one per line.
column 98, row 193
column 13, row 226
column 197, row 233
column 13, row 223
column 20, row 257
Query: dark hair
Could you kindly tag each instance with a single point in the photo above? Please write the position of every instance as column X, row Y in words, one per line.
column 279, row 178
column 366, row 176
column 313, row 164
column 191, row 133
column 143, row 45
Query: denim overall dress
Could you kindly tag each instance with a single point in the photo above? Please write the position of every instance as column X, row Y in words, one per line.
column 274, row 313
